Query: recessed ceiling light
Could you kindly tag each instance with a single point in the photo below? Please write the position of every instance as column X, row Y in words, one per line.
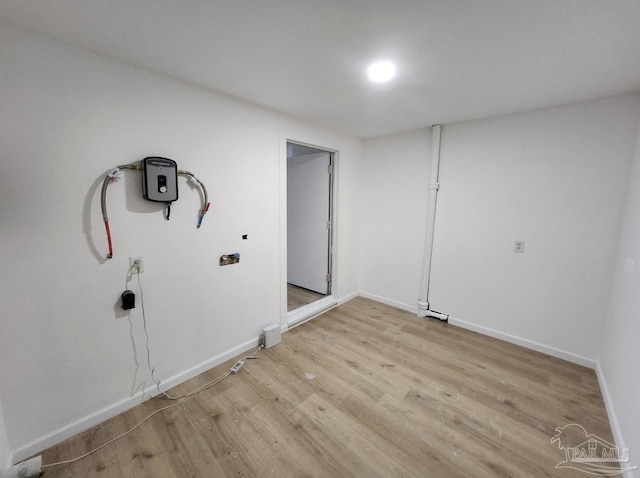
column 381, row 71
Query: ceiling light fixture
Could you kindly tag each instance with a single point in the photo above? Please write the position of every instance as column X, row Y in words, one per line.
column 381, row 71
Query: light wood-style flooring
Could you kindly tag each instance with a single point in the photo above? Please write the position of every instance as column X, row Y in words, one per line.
column 298, row 297
column 365, row 390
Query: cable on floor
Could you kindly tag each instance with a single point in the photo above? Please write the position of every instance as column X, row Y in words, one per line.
column 177, row 400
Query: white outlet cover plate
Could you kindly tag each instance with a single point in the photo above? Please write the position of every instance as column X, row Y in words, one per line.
column 132, row 261
column 518, row 246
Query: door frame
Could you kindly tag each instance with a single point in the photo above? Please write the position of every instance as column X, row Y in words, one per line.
column 332, row 156
column 298, row 316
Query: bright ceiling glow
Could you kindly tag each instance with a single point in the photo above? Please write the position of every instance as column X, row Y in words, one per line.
column 381, row 71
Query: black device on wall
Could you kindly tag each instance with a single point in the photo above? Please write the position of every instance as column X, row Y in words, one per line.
column 128, row 300
column 159, row 184
column 160, row 179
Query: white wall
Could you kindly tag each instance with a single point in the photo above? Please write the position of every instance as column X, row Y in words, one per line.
column 5, row 451
column 395, row 177
column 620, row 336
column 555, row 178
column 67, row 117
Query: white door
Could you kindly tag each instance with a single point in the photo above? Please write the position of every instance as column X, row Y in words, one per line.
column 308, row 221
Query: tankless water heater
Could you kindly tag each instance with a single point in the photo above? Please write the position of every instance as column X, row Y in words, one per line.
column 160, row 179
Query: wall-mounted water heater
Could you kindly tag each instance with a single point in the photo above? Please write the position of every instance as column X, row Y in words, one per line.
column 160, row 179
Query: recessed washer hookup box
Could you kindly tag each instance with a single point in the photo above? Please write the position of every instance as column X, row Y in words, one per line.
column 272, row 335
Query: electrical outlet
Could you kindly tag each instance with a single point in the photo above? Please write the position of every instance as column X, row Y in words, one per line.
column 518, row 246
column 138, row 267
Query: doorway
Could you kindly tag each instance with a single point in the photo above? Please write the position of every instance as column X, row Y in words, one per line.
column 309, row 227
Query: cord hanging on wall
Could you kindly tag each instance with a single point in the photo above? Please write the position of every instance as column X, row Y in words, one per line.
column 159, row 184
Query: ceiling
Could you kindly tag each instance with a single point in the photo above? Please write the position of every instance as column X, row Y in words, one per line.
column 457, row 60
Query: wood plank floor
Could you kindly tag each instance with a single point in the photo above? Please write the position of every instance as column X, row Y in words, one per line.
column 298, row 297
column 365, row 390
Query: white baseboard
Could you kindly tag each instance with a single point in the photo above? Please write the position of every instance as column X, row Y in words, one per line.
column 110, row 411
column 348, row 297
column 530, row 344
column 409, row 308
column 309, row 311
column 608, row 403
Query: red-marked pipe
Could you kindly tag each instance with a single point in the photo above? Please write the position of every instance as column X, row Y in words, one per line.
column 204, row 211
column 103, row 199
column 106, row 226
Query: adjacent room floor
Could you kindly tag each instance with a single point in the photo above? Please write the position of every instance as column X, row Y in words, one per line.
column 298, row 297
column 365, row 390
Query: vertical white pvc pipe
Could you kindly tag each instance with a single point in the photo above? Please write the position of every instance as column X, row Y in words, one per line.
column 423, row 301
